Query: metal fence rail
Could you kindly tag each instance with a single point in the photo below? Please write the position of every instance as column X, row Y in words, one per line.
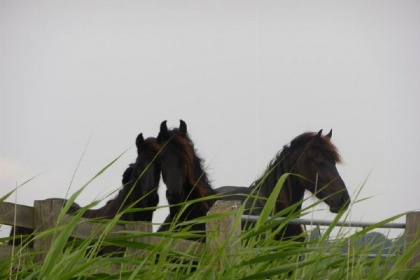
column 318, row 222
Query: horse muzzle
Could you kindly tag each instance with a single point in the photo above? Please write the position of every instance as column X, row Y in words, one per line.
column 339, row 202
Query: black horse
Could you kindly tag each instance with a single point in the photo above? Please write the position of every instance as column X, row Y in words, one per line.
column 141, row 181
column 184, row 176
column 311, row 159
column 140, row 184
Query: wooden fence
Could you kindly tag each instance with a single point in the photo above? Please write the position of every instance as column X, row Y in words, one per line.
column 44, row 215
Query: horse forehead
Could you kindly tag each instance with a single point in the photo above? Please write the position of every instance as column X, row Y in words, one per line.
column 321, row 155
column 150, row 141
column 171, row 160
column 151, row 144
column 322, row 149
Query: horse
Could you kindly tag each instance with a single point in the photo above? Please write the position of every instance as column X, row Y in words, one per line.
column 140, row 183
column 311, row 160
column 140, row 186
column 184, row 176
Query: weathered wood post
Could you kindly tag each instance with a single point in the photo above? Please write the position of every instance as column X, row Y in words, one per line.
column 224, row 232
column 140, row 227
column 46, row 214
column 412, row 231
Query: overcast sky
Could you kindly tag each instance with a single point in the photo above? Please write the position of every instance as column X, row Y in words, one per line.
column 246, row 76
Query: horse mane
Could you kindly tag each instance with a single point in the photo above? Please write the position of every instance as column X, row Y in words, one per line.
column 192, row 164
column 303, row 143
column 308, row 140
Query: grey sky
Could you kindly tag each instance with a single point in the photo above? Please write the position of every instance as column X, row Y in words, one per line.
column 246, row 76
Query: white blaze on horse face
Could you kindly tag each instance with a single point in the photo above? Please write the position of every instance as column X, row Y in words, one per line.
column 162, row 210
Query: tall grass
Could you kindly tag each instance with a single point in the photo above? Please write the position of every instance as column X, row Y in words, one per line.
column 257, row 254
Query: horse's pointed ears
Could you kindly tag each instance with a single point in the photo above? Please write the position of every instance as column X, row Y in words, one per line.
column 329, row 135
column 139, row 141
column 163, row 128
column 319, row 134
column 183, row 127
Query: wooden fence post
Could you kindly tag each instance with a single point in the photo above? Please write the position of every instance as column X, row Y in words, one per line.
column 412, row 231
column 140, row 227
column 46, row 214
column 223, row 232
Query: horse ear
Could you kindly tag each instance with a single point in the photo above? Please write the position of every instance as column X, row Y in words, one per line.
column 183, row 127
column 329, row 135
column 140, row 141
column 317, row 138
column 319, row 134
column 163, row 128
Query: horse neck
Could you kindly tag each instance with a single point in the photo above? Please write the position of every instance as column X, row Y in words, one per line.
column 132, row 194
column 108, row 211
column 197, row 178
column 125, row 197
column 129, row 194
column 291, row 192
column 198, row 185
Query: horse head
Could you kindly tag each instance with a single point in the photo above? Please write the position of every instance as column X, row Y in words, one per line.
column 176, row 159
column 315, row 162
column 182, row 171
column 141, row 179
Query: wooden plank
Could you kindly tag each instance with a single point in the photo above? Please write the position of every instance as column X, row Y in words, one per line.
column 179, row 245
column 24, row 215
column 412, row 232
column 6, row 252
column 86, row 228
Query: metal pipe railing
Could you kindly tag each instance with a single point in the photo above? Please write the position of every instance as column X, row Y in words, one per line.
column 318, row 222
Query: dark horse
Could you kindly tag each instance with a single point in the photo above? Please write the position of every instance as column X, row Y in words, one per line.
column 184, row 176
column 140, row 184
column 311, row 158
column 141, row 181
